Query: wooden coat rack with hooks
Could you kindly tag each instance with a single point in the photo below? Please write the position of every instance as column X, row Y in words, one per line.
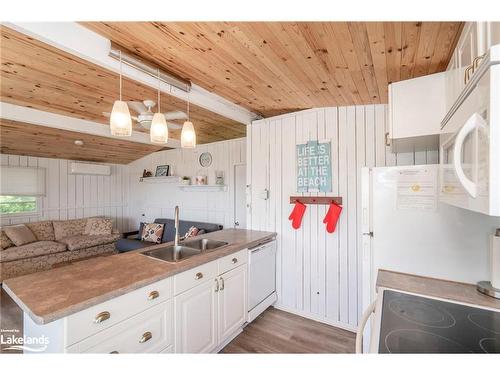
column 315, row 200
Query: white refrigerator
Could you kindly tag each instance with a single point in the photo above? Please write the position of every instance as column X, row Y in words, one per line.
column 406, row 229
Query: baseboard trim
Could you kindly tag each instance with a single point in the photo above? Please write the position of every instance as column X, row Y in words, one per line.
column 337, row 324
column 228, row 340
column 261, row 307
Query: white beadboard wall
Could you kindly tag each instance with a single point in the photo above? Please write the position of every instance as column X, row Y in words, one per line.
column 154, row 200
column 75, row 196
column 318, row 274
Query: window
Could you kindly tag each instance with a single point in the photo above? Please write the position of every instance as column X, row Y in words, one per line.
column 10, row 204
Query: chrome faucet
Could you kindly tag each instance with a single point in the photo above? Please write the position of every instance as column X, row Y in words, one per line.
column 176, row 220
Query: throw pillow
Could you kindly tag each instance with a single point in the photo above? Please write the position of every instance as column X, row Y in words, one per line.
column 69, row 228
column 98, row 225
column 20, row 234
column 5, row 241
column 192, row 232
column 43, row 230
column 152, row 232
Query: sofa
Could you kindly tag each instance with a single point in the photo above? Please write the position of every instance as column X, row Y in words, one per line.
column 54, row 242
column 132, row 240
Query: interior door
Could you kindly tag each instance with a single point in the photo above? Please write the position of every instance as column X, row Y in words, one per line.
column 240, row 199
column 196, row 320
column 232, row 301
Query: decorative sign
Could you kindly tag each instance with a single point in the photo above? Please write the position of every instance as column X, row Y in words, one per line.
column 314, row 167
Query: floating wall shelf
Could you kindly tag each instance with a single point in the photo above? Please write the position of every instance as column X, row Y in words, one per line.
column 206, row 188
column 161, row 179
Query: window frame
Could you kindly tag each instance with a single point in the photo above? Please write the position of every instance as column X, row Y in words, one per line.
column 36, row 212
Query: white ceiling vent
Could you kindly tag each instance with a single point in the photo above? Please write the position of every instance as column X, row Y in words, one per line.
column 92, row 169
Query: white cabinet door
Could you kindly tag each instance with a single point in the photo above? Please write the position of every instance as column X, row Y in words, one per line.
column 467, row 51
column 196, row 319
column 232, row 301
column 492, row 34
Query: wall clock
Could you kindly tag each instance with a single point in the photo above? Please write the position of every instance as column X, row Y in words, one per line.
column 206, row 159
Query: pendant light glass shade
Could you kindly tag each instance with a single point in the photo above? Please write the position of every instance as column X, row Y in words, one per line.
column 120, row 121
column 188, row 136
column 159, row 129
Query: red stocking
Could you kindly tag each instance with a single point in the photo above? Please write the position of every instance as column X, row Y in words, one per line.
column 297, row 214
column 332, row 217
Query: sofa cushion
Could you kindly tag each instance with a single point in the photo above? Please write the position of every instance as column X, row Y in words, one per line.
column 152, row 232
column 69, row 228
column 31, row 250
column 20, row 234
column 98, row 225
column 184, row 225
column 43, row 230
column 86, row 241
column 5, row 241
column 126, row 244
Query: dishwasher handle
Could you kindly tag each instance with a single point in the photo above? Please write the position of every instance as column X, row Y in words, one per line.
column 361, row 327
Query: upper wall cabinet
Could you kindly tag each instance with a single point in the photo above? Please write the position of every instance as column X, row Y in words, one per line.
column 475, row 40
column 416, row 108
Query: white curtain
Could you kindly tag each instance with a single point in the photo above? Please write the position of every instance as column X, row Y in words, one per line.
column 22, row 181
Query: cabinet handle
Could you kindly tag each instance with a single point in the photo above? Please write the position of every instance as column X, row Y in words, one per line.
column 114, row 352
column 102, row 316
column 387, row 141
column 222, row 284
column 467, row 73
column 217, row 285
column 234, row 260
column 146, row 336
column 154, row 294
column 476, row 61
column 198, row 276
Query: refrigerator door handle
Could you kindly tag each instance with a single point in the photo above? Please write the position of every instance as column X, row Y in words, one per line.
column 367, row 234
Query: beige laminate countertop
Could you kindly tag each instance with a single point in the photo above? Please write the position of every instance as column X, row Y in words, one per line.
column 450, row 290
column 50, row 295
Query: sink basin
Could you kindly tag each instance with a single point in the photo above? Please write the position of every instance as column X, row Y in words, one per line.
column 204, row 244
column 173, row 253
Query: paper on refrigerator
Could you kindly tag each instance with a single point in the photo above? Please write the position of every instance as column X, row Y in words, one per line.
column 417, row 189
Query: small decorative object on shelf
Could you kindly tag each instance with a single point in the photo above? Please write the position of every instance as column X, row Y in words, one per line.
column 147, row 173
column 186, row 180
column 219, row 177
column 201, row 180
column 162, row 170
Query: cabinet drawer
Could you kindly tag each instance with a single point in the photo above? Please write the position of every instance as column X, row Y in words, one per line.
column 148, row 332
column 232, row 261
column 104, row 315
column 195, row 276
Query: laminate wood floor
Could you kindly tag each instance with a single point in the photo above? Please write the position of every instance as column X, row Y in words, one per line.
column 276, row 331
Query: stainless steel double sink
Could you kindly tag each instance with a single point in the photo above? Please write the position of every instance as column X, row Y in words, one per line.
column 186, row 250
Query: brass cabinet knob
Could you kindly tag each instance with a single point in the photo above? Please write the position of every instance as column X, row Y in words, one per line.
column 146, row 336
column 217, row 285
column 221, row 284
column 198, row 276
column 102, row 316
column 154, row 294
column 234, row 260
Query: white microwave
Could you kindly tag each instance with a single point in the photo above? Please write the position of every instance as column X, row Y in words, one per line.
column 470, row 143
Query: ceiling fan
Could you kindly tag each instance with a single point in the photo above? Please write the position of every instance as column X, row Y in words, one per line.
column 145, row 114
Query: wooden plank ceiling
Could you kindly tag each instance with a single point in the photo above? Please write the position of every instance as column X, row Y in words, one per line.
column 19, row 138
column 273, row 68
column 40, row 76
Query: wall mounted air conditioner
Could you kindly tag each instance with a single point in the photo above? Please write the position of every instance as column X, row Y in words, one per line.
column 92, row 169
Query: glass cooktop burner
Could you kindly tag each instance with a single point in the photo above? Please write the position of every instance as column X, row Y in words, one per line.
column 413, row 324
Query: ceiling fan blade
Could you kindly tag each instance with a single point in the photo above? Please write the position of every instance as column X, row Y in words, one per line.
column 175, row 115
column 138, row 107
column 173, row 126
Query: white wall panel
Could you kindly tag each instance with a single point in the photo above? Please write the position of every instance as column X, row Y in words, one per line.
column 149, row 201
column 73, row 196
column 318, row 274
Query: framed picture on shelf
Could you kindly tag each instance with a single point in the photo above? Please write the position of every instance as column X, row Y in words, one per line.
column 162, row 170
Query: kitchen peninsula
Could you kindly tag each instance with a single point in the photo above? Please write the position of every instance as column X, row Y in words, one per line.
column 134, row 303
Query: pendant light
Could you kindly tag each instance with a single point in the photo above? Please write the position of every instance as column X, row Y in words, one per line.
column 158, row 131
column 188, row 136
column 120, row 121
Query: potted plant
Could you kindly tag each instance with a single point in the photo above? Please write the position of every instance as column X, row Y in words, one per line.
column 185, row 180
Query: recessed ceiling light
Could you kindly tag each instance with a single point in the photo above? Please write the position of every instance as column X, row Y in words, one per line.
column 79, row 142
